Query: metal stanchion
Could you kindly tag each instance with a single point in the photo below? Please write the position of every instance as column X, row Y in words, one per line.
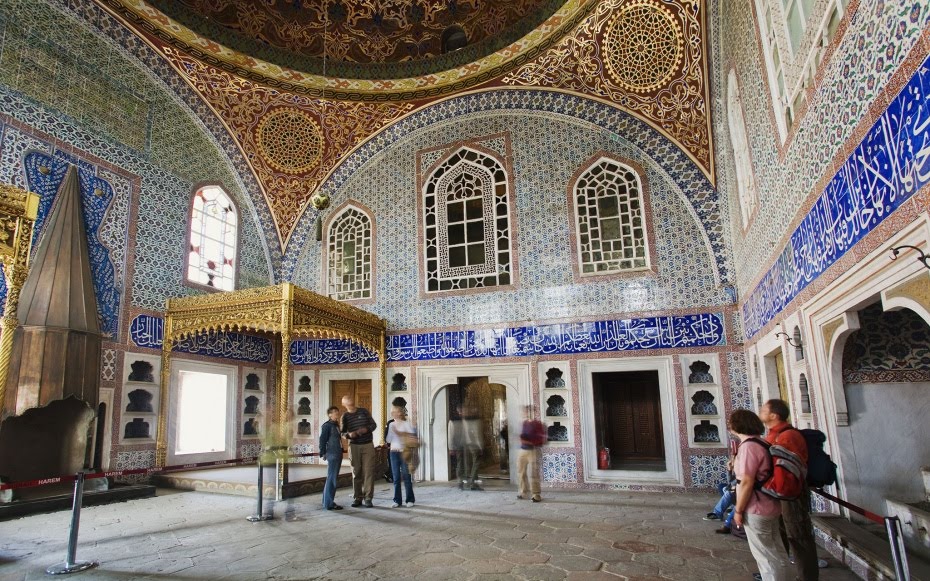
column 258, row 516
column 70, row 565
column 898, row 554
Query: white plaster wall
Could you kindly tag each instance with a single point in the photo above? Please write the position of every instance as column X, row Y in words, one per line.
column 886, row 443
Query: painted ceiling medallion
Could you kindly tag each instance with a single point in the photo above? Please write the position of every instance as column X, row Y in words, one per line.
column 642, row 46
column 289, row 140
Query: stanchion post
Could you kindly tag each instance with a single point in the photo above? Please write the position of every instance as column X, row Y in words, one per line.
column 898, row 554
column 258, row 516
column 70, row 565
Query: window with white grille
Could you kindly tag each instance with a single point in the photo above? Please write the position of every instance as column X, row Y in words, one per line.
column 795, row 36
column 745, row 183
column 610, row 219
column 349, row 264
column 466, row 220
column 214, row 239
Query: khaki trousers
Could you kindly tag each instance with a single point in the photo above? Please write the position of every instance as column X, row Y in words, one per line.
column 798, row 531
column 362, row 458
column 528, row 472
column 765, row 546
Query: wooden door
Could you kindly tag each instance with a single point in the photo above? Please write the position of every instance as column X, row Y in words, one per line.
column 629, row 415
column 359, row 389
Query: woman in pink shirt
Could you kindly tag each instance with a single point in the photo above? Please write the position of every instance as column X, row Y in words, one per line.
column 757, row 512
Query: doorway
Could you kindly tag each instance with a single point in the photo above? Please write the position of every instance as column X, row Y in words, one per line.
column 475, row 399
column 358, row 389
column 200, row 427
column 628, row 419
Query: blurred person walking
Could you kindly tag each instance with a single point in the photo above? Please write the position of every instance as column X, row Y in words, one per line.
column 532, row 436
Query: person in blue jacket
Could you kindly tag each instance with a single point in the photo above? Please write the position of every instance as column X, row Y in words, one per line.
column 331, row 449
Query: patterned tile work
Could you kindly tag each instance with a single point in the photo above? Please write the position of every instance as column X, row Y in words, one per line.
column 888, row 347
column 702, row 330
column 560, row 468
column 707, row 471
column 176, row 140
column 108, row 365
column 882, row 173
column 162, row 203
column 548, row 149
column 740, row 394
column 132, row 460
column 148, row 331
column 875, row 44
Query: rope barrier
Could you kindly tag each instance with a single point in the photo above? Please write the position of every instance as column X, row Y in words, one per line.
column 857, row 509
column 147, row 471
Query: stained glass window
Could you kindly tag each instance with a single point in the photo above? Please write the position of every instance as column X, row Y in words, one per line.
column 214, row 240
column 610, row 219
column 467, row 224
column 349, row 264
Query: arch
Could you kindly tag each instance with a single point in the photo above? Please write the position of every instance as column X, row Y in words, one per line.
column 431, row 422
column 698, row 191
column 213, row 239
column 805, row 394
column 348, row 258
column 798, row 341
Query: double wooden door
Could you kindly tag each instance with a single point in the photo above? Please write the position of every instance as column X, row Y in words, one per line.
column 629, row 415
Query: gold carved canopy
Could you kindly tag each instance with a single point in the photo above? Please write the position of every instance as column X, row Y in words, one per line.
column 285, row 310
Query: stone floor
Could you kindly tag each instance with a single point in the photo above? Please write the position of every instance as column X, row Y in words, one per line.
column 449, row 534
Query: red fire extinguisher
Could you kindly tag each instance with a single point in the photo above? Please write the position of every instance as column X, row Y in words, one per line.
column 603, row 459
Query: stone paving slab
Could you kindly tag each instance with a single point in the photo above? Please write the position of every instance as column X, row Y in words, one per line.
column 449, row 534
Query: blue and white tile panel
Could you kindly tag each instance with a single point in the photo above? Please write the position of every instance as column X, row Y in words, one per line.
column 148, row 331
column 890, row 164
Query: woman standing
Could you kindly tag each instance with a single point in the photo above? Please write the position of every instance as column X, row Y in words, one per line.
column 757, row 512
column 397, row 433
column 331, row 449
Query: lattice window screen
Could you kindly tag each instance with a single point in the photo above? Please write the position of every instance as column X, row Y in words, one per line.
column 349, row 255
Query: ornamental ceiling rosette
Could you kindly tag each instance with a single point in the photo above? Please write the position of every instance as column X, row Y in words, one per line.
column 645, row 56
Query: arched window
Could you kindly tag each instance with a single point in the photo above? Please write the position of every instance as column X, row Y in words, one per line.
column 745, row 184
column 348, row 255
column 805, row 395
column 214, row 239
column 610, row 219
column 795, row 36
column 466, row 223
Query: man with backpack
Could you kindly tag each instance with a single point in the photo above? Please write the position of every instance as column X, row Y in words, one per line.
column 795, row 513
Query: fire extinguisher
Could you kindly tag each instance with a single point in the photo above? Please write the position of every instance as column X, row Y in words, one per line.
column 603, row 459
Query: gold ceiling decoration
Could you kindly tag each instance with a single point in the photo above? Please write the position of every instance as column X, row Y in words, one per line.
column 642, row 46
column 289, row 140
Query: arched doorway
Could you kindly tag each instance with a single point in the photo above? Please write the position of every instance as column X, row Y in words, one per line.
column 886, row 383
column 477, row 412
column 507, row 391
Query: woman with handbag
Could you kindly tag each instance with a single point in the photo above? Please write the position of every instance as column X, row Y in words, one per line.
column 398, row 434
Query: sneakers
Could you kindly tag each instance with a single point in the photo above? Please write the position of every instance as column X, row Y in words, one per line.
column 395, row 505
column 822, row 563
column 368, row 504
column 536, row 499
column 711, row 516
column 335, row 507
column 757, row 576
column 520, row 497
column 724, row 530
column 409, row 505
column 356, row 503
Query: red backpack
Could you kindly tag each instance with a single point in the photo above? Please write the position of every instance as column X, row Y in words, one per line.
column 788, row 472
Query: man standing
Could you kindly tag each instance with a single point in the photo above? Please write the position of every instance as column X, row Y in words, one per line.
column 795, row 514
column 357, row 427
column 532, row 436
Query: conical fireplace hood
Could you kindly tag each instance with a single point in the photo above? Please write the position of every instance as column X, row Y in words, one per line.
column 59, row 291
column 56, row 347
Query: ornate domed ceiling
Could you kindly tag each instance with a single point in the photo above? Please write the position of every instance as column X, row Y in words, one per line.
column 362, row 38
column 294, row 125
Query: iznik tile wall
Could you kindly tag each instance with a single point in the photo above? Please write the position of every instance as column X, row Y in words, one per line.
column 879, row 37
column 547, row 149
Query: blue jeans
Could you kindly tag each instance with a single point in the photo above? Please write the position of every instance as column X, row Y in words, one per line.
column 332, row 473
column 398, row 469
column 727, row 499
